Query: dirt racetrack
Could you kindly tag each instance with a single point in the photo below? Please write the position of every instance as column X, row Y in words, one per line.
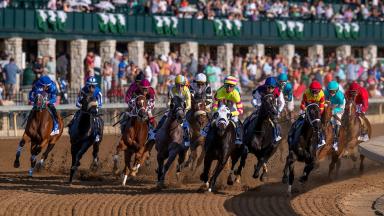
column 101, row 194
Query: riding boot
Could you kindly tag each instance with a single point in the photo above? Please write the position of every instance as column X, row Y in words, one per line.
column 336, row 137
column 321, row 139
column 97, row 129
column 186, row 136
column 239, row 133
column 55, row 119
column 276, row 133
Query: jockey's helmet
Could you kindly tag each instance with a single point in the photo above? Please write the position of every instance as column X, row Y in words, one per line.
column 201, row 78
column 180, row 80
column 145, row 84
column 333, row 87
column 288, row 88
column 271, row 82
column 45, row 81
column 315, row 87
column 354, row 88
column 229, row 83
column 91, row 81
column 283, row 77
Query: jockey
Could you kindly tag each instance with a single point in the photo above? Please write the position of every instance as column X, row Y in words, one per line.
column 360, row 95
column 134, row 86
column 316, row 95
column 270, row 87
column 337, row 101
column 181, row 90
column 146, row 90
column 45, row 84
column 288, row 97
column 200, row 88
column 231, row 97
column 91, row 89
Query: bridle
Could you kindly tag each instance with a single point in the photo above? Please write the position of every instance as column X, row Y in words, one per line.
column 311, row 121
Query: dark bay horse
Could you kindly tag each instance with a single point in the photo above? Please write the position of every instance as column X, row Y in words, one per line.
column 304, row 149
column 82, row 134
column 349, row 133
column 197, row 118
column 258, row 134
column 133, row 139
column 169, row 140
column 220, row 145
column 37, row 132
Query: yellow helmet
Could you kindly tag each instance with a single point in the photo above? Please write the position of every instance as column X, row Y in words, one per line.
column 230, row 80
column 180, row 79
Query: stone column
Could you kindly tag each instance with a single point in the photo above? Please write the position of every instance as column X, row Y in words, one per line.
column 78, row 54
column 107, row 50
column 315, row 50
column 287, row 51
column 186, row 49
column 343, row 51
column 256, row 50
column 370, row 54
column 47, row 47
column 225, row 56
column 162, row 48
column 13, row 48
column 136, row 52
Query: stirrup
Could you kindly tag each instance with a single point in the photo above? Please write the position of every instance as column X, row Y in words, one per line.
column 278, row 138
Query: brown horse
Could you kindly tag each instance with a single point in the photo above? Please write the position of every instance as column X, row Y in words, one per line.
column 169, row 140
column 197, row 118
column 133, row 139
column 327, row 150
column 37, row 132
column 352, row 126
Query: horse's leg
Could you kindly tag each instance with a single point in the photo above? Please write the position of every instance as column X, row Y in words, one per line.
column 243, row 159
column 291, row 176
column 260, row 162
column 173, row 151
column 207, row 166
column 160, row 170
column 362, row 157
column 119, row 148
column 219, row 167
column 200, row 159
column 181, row 160
column 338, row 165
column 286, row 169
column 25, row 139
column 148, row 148
column 78, row 155
column 307, row 169
column 334, row 160
column 40, row 164
column 234, row 158
column 95, row 163
column 35, row 150
column 127, row 168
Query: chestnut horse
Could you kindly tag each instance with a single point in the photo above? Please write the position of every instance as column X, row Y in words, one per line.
column 133, row 139
column 349, row 133
column 197, row 118
column 37, row 132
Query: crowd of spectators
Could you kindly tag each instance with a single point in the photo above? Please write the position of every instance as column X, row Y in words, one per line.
column 341, row 10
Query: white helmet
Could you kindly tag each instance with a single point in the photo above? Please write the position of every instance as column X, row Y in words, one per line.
column 200, row 77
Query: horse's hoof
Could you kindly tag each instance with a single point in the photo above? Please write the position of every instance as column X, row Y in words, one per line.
column 133, row 173
column 255, row 175
column 263, row 177
column 16, row 164
column 203, row 178
column 160, row 185
column 209, row 189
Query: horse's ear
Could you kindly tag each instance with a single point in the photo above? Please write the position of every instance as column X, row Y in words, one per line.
column 229, row 115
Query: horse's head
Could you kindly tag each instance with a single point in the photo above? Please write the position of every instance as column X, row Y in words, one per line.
column 222, row 116
column 41, row 101
column 89, row 104
column 199, row 111
column 327, row 114
column 313, row 116
column 268, row 108
column 141, row 107
column 350, row 110
column 177, row 108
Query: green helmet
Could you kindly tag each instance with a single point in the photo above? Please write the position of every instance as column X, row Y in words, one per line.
column 333, row 85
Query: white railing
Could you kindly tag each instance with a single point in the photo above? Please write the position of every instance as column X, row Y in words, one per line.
column 13, row 117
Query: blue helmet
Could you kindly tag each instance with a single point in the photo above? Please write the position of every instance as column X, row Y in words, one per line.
column 283, row 77
column 91, row 81
column 45, row 81
column 288, row 88
column 271, row 81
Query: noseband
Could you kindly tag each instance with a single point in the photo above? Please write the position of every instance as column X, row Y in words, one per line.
column 311, row 121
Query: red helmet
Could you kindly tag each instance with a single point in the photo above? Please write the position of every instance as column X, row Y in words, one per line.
column 315, row 85
column 145, row 83
column 354, row 87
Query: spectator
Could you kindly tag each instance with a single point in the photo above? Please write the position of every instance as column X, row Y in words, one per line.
column 38, row 67
column 62, row 66
column 122, row 74
column 115, row 61
column 97, row 68
column 10, row 72
column 155, row 72
column 107, row 76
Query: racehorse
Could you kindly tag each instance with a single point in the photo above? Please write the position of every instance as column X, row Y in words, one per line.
column 134, row 137
column 349, row 133
column 326, row 120
column 82, row 134
column 197, row 118
column 37, row 132
column 169, row 140
column 304, row 148
column 258, row 135
column 220, row 145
